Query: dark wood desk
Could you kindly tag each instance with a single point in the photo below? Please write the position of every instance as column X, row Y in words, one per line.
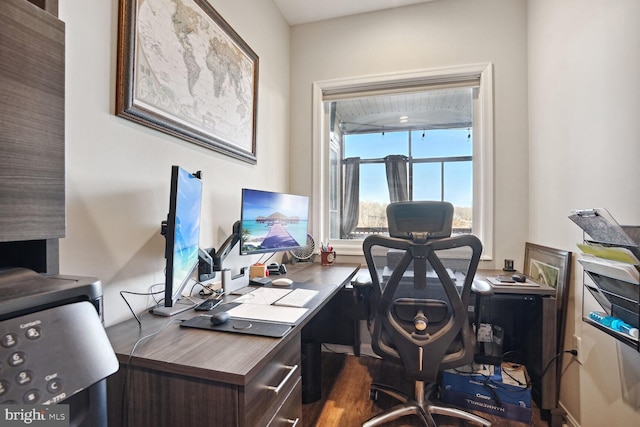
column 528, row 315
column 183, row 376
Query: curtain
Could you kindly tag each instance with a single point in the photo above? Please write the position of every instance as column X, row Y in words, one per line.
column 396, row 166
column 351, row 211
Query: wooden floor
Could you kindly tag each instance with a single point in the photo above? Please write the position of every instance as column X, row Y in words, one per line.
column 345, row 395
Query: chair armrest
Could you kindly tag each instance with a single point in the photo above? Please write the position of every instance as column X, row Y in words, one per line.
column 482, row 287
column 362, row 286
column 362, row 281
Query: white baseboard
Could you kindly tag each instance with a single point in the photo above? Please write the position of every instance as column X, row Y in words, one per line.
column 571, row 422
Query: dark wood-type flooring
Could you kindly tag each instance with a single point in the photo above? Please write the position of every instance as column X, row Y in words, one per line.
column 345, row 395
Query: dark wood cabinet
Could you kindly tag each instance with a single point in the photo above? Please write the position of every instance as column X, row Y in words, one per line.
column 339, row 321
column 153, row 396
column 50, row 6
column 32, row 98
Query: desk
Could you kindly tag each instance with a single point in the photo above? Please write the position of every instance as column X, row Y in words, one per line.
column 183, row 376
column 528, row 315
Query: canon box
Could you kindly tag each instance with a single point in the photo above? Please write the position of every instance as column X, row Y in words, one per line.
column 497, row 390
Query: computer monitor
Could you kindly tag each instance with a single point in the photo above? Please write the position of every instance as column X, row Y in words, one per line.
column 182, row 235
column 272, row 222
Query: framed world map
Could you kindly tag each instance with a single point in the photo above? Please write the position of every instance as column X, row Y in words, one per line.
column 183, row 70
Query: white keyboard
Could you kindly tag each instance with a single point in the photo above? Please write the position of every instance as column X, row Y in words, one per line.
column 297, row 298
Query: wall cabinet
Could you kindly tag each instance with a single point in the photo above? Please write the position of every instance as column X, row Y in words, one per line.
column 32, row 98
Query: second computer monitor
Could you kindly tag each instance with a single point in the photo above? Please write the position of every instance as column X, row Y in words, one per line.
column 272, row 222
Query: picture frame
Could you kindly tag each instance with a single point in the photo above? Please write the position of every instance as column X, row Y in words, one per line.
column 184, row 71
column 551, row 267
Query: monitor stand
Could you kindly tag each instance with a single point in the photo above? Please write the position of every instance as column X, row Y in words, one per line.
column 179, row 307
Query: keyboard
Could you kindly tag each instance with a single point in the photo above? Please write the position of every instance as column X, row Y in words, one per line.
column 243, row 290
column 297, row 298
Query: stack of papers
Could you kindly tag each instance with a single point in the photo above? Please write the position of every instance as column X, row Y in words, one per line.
column 264, row 304
column 613, row 253
column 614, row 269
column 267, row 313
column 496, row 282
column 263, row 296
column 514, row 374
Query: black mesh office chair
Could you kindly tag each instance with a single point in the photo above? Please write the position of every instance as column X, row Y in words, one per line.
column 420, row 319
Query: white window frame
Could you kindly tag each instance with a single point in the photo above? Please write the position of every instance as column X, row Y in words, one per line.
column 482, row 147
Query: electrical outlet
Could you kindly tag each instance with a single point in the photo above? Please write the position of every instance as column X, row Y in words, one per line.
column 577, row 345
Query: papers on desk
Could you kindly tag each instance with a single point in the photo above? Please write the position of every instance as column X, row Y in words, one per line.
column 276, row 296
column 263, row 296
column 496, row 282
column 267, row 313
column 268, row 304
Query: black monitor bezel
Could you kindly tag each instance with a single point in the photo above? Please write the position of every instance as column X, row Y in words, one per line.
column 171, row 295
column 242, row 217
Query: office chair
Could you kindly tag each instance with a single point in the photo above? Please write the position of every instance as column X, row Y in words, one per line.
column 420, row 317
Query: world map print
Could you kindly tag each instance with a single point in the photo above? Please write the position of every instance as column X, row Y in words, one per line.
column 189, row 69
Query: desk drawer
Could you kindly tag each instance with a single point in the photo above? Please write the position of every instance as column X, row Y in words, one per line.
column 271, row 387
column 290, row 413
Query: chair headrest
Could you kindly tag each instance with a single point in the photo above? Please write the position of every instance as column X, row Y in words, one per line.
column 409, row 219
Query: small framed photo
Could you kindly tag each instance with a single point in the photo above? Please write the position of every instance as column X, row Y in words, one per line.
column 551, row 267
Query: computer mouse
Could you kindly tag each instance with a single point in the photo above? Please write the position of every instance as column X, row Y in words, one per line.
column 519, row 277
column 283, row 281
column 219, row 318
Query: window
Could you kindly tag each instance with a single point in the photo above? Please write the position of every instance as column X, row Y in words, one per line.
column 368, row 128
column 438, row 164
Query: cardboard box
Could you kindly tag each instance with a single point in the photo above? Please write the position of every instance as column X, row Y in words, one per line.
column 258, row 270
column 503, row 390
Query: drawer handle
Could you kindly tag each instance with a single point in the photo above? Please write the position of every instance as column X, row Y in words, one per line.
column 293, row 423
column 277, row 389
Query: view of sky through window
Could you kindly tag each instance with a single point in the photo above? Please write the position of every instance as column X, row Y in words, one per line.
column 427, row 179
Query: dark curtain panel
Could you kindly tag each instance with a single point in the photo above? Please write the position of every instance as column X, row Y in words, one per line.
column 351, row 209
column 396, row 166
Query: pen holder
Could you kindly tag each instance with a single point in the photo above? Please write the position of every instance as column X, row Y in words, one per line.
column 327, row 257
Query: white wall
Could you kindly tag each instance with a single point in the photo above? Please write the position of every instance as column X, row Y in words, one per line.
column 583, row 109
column 118, row 171
column 584, row 63
column 429, row 35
